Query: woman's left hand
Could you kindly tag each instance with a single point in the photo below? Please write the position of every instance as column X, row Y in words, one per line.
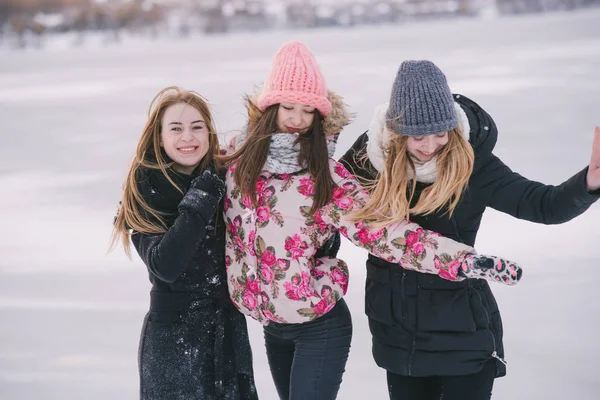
column 593, row 175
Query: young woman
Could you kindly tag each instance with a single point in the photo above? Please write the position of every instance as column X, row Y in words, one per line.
column 436, row 338
column 194, row 343
column 285, row 197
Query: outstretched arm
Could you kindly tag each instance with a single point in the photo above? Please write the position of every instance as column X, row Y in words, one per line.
column 406, row 243
column 522, row 198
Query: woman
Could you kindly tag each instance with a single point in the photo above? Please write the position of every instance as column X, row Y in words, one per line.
column 440, row 339
column 194, row 343
column 285, row 197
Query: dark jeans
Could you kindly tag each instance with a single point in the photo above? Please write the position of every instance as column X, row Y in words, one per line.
column 307, row 360
column 463, row 387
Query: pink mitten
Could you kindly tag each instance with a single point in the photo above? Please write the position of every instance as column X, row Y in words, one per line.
column 490, row 268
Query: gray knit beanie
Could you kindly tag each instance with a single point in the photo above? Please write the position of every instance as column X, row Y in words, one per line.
column 421, row 102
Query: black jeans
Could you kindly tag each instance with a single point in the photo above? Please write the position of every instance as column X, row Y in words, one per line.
column 463, row 387
column 307, row 360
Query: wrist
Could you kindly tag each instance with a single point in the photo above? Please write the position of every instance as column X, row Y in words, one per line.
column 589, row 185
column 591, row 188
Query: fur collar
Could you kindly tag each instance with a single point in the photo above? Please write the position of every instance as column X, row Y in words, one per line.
column 379, row 137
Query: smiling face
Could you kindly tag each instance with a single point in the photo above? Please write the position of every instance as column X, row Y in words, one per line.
column 294, row 117
column 424, row 148
column 184, row 136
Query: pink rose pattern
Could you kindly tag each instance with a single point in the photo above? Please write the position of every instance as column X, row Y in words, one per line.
column 306, row 187
column 415, row 245
column 295, row 247
column 448, row 265
column 272, row 272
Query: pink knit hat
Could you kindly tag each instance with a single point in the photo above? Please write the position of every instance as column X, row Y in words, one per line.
column 295, row 77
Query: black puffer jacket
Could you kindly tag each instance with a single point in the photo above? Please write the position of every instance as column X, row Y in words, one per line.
column 423, row 325
column 194, row 343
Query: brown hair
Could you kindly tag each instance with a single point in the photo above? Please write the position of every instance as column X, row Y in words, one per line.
column 135, row 214
column 252, row 155
column 392, row 192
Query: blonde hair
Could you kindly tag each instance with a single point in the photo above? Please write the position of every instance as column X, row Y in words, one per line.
column 134, row 213
column 392, row 192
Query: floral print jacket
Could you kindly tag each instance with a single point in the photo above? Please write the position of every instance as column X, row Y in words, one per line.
column 271, row 269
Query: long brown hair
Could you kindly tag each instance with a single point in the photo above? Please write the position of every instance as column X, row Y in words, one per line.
column 135, row 214
column 252, row 155
column 392, row 192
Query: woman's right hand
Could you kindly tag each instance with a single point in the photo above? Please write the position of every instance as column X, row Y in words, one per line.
column 593, row 174
column 207, row 187
column 490, row 268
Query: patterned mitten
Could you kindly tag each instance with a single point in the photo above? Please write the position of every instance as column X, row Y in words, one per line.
column 490, row 268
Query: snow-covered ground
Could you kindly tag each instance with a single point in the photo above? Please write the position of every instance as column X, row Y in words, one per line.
column 70, row 314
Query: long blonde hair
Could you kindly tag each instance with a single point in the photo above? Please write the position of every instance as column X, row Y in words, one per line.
column 134, row 213
column 392, row 192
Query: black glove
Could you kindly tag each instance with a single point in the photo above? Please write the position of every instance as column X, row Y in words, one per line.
column 204, row 194
column 331, row 247
column 210, row 183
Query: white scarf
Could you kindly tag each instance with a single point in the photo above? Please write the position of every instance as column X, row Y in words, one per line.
column 283, row 152
column 379, row 137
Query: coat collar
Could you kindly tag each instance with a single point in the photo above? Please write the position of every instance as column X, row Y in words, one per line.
column 379, row 134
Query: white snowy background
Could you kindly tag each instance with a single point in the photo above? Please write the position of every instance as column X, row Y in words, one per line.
column 70, row 315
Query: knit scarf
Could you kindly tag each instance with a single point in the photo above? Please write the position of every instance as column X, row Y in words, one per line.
column 284, row 152
column 379, row 137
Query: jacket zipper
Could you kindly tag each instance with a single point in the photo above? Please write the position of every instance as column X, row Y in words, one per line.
column 489, row 321
column 412, row 354
column 411, row 357
column 403, row 295
column 497, row 357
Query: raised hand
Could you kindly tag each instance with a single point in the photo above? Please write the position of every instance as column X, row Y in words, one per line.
column 204, row 193
column 210, row 183
column 593, row 175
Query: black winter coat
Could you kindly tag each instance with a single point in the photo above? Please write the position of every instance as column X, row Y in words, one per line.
column 194, row 343
column 423, row 325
